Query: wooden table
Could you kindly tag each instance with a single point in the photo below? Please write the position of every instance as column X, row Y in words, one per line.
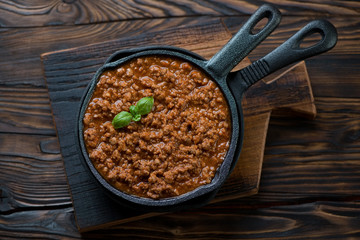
column 310, row 181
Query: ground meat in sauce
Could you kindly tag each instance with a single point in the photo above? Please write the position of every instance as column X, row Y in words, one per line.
column 175, row 148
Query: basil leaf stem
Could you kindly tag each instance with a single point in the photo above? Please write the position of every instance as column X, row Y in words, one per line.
column 136, row 118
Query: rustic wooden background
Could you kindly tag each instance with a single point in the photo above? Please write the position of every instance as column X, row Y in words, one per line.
column 310, row 184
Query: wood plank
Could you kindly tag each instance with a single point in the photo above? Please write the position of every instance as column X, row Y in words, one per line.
column 57, row 12
column 316, row 220
column 26, row 53
column 39, row 223
column 32, row 173
column 319, row 156
column 319, row 220
column 25, row 109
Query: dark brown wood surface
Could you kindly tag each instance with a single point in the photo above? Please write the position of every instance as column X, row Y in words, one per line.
column 310, row 182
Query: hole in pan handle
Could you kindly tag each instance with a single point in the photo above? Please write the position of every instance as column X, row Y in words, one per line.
column 286, row 54
column 244, row 41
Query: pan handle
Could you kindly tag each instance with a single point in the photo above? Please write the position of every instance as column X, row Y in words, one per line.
column 244, row 41
column 286, row 54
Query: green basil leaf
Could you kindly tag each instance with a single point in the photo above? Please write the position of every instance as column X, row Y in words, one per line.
column 133, row 110
column 145, row 105
column 137, row 117
column 122, row 119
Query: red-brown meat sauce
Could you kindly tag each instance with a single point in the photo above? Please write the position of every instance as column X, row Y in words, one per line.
column 175, row 148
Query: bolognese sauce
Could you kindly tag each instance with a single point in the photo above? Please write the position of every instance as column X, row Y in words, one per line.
column 172, row 150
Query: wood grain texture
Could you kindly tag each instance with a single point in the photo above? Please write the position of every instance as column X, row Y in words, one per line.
column 324, row 154
column 25, row 109
column 318, row 220
column 315, row 220
column 20, row 42
column 31, row 173
column 41, row 223
column 73, row 12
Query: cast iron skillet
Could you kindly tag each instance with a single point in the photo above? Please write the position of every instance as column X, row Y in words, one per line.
column 233, row 85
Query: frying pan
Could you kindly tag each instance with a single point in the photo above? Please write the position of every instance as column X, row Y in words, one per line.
column 232, row 84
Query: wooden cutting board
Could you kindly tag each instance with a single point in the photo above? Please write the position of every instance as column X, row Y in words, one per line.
column 68, row 72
